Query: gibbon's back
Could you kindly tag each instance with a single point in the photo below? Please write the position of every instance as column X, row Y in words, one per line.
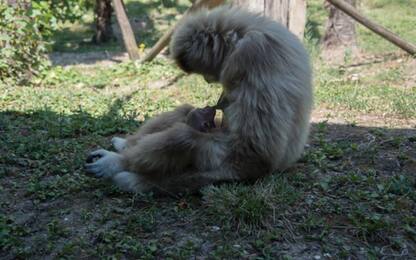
column 266, row 75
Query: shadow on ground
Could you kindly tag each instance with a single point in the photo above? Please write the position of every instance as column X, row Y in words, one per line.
column 87, row 58
column 49, row 208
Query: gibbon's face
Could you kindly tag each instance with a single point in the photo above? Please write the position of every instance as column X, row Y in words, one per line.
column 210, row 69
column 197, row 66
column 200, row 52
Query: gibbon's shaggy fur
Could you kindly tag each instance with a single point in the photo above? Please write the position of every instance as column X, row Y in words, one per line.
column 266, row 78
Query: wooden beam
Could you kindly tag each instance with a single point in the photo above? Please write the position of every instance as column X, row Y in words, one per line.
column 126, row 31
column 378, row 29
column 164, row 41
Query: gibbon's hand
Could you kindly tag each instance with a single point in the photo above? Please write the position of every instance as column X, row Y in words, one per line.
column 108, row 164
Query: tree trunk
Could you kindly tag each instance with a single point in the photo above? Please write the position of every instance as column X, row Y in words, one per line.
column 104, row 31
column 256, row 6
column 290, row 13
column 340, row 28
column 376, row 28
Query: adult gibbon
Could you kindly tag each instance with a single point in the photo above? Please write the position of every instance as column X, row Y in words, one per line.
column 266, row 78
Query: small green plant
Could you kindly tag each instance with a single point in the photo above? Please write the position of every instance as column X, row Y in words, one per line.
column 10, row 233
column 25, row 30
column 22, row 48
column 63, row 10
column 56, row 230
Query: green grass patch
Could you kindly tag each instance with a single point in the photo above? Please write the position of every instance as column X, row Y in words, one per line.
column 396, row 15
column 337, row 91
column 250, row 206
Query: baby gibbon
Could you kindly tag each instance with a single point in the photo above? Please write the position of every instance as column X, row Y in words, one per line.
column 266, row 79
column 202, row 119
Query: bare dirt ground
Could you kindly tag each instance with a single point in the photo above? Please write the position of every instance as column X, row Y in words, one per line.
column 88, row 58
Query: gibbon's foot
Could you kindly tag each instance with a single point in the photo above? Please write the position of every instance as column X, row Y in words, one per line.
column 119, row 143
column 108, row 163
column 128, row 182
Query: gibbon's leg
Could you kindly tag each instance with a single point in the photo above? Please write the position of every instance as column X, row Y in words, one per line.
column 156, row 124
column 109, row 167
column 130, row 182
column 191, row 182
column 169, row 149
column 161, row 160
column 166, row 154
column 188, row 182
column 160, row 123
column 108, row 164
column 119, row 143
column 165, row 158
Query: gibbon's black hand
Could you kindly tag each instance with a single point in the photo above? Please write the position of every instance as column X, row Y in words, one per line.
column 91, row 158
column 222, row 102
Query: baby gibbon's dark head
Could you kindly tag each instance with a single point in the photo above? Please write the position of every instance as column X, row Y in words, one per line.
column 201, row 119
column 200, row 44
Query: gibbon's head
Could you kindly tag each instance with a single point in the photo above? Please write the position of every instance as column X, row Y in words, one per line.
column 202, row 42
column 231, row 45
column 201, row 119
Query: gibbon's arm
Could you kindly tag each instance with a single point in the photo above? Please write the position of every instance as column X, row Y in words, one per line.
column 173, row 150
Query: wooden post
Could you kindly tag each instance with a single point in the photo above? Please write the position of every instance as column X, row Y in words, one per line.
column 126, row 31
column 383, row 32
column 290, row 13
column 297, row 17
column 340, row 29
column 255, row 6
column 164, row 41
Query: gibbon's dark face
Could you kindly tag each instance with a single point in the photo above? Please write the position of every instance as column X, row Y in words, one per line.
column 198, row 50
column 198, row 62
column 201, row 119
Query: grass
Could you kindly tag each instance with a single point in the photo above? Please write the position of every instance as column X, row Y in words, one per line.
column 400, row 20
column 338, row 89
column 395, row 15
column 352, row 195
